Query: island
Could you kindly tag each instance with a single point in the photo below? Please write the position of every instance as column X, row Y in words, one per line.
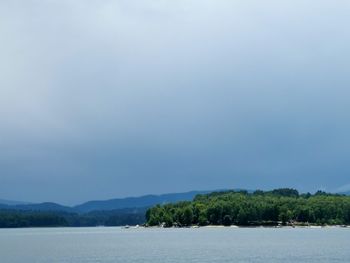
column 279, row 207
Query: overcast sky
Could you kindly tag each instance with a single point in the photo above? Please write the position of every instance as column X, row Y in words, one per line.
column 103, row 99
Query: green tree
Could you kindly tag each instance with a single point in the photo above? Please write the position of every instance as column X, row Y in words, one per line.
column 187, row 216
column 226, row 220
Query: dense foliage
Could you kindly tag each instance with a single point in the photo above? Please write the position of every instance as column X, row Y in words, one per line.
column 10, row 219
column 280, row 206
column 17, row 218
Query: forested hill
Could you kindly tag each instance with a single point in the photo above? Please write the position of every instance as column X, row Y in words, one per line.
column 142, row 201
column 114, row 212
column 102, row 205
column 35, row 218
column 280, row 206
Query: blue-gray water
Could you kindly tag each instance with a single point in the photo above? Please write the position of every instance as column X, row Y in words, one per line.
column 175, row 245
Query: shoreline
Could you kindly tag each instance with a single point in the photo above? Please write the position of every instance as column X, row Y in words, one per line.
column 242, row 227
column 189, row 227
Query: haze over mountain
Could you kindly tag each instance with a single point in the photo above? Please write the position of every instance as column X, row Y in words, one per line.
column 120, row 205
column 108, row 205
column 105, row 99
column 143, row 201
column 46, row 206
column 12, row 202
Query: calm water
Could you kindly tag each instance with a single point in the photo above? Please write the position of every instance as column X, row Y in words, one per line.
column 175, row 245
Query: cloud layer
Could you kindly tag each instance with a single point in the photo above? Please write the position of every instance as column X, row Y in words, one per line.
column 100, row 99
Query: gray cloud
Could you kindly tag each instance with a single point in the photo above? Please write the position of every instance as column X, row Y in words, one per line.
column 114, row 98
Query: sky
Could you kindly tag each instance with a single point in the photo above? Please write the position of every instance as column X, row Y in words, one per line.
column 106, row 99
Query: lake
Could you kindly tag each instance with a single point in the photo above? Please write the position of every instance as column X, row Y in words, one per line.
column 155, row 245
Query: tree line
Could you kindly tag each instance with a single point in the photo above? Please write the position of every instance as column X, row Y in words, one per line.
column 281, row 206
column 20, row 218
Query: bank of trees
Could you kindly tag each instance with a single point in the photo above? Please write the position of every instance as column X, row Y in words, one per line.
column 280, row 206
column 11, row 219
column 20, row 218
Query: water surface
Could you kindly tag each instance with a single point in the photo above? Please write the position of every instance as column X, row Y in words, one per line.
column 175, row 245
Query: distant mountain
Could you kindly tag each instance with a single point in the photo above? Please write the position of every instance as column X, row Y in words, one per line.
column 114, row 212
column 43, row 207
column 345, row 193
column 136, row 202
column 12, row 202
column 106, row 205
